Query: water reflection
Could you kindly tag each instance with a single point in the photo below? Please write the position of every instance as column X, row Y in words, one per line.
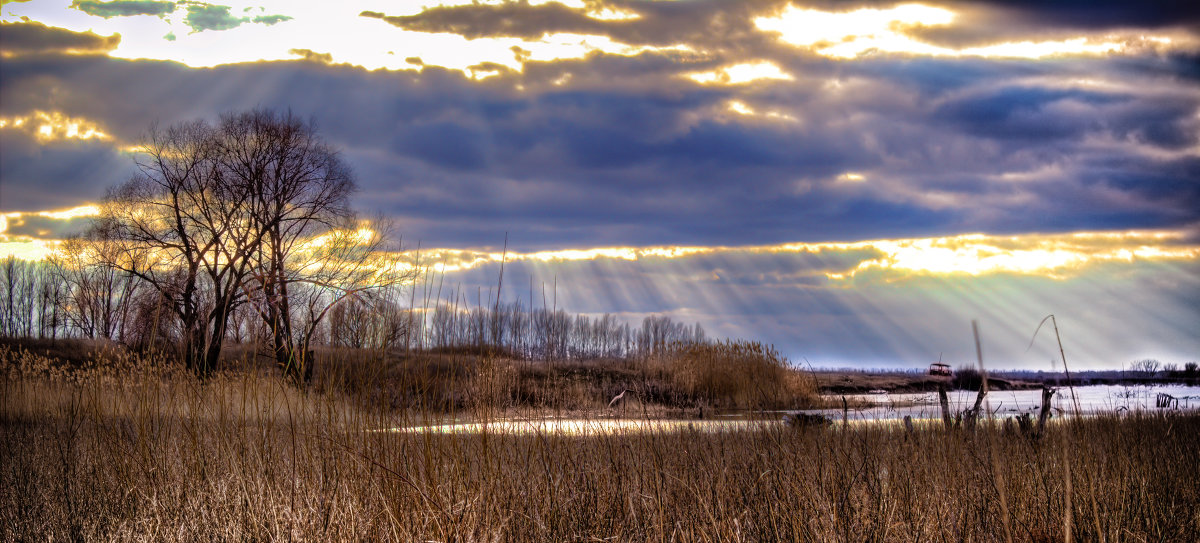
column 584, row 427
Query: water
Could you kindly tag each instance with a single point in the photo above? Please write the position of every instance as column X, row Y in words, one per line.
column 872, row 408
column 1092, row 399
column 584, row 427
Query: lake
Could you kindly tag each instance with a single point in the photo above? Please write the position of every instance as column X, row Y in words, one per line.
column 872, row 408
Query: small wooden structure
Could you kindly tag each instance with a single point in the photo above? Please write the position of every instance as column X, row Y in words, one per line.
column 938, row 368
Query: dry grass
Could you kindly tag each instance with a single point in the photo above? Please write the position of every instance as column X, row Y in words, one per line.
column 124, row 450
column 731, row 375
column 738, row 374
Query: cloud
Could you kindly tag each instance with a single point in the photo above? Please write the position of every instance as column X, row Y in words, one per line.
column 35, row 226
column 625, row 155
column 624, row 149
column 312, row 56
column 522, row 20
column 1123, row 295
column 566, row 128
column 201, row 17
column 53, row 125
column 270, row 20
column 34, row 37
column 124, row 8
column 38, row 176
column 709, row 25
column 1100, row 15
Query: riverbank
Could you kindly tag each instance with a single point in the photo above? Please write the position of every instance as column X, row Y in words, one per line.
column 837, row 382
column 854, row 382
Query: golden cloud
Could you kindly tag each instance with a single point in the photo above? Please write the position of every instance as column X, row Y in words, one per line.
column 34, row 235
column 47, row 126
column 1051, row 255
column 848, row 35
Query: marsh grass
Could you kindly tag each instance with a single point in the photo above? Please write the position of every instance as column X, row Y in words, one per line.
column 725, row 375
column 124, row 449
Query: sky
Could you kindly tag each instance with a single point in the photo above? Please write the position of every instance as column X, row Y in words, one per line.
column 853, row 182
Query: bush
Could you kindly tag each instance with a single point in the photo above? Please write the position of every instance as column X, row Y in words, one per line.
column 739, row 374
column 967, row 378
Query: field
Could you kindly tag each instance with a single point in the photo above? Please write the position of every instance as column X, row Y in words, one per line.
column 122, row 448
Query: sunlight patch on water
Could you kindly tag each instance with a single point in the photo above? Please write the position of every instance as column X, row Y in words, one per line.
column 589, row 427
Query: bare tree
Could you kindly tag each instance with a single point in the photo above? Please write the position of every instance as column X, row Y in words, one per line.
column 311, row 250
column 97, row 298
column 180, row 225
column 342, row 266
column 20, row 281
column 1147, row 367
column 216, row 218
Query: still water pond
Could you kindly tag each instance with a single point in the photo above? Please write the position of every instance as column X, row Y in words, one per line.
column 871, row 408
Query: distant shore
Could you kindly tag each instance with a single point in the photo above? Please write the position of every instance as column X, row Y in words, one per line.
column 847, row 381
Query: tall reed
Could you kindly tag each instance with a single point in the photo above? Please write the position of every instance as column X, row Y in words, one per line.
column 129, row 449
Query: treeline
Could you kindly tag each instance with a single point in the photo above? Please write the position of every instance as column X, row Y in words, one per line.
column 71, row 295
column 531, row 333
column 242, row 231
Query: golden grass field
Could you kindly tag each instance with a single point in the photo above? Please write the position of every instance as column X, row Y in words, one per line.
column 121, row 448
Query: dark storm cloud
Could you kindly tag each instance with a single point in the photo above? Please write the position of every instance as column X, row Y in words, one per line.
column 727, row 28
column 1102, row 14
column 123, row 8
column 709, row 24
column 627, row 151
column 33, row 37
column 58, row 175
column 985, row 23
column 1026, row 114
column 520, row 20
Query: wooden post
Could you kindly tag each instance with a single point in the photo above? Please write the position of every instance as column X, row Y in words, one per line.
column 1047, row 394
column 845, row 412
column 1163, row 401
column 945, row 406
